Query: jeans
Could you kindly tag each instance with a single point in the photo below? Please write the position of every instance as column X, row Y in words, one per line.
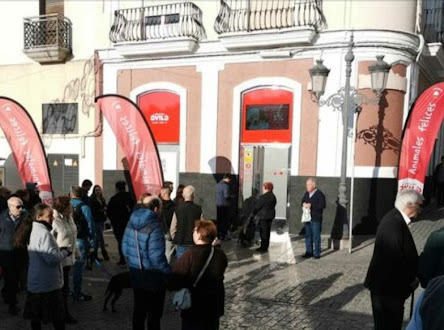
column 79, row 264
column 313, row 236
column 100, row 242
column 180, row 250
column 148, row 305
column 169, row 249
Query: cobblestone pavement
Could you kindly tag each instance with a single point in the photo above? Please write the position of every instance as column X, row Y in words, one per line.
column 278, row 290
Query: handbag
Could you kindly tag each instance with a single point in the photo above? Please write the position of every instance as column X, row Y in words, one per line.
column 182, row 298
column 306, row 215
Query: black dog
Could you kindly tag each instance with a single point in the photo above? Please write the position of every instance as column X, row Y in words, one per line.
column 115, row 288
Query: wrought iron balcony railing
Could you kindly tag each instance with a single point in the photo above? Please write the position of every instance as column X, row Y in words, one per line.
column 47, row 31
column 433, row 21
column 157, row 22
column 256, row 15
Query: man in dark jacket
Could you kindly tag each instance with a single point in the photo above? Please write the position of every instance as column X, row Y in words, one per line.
column 182, row 225
column 431, row 261
column 166, row 217
column 84, row 221
column 143, row 246
column 391, row 276
column 9, row 221
column 118, row 211
column 313, row 200
column 223, row 204
column 264, row 210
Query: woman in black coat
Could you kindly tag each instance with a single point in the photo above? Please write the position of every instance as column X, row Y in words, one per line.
column 208, row 296
column 264, row 210
column 98, row 209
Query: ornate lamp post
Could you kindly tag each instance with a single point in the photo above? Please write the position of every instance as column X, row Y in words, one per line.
column 345, row 99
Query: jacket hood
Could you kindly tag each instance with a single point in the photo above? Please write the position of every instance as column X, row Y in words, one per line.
column 143, row 217
column 76, row 201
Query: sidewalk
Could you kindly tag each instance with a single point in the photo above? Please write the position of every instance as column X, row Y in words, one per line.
column 278, row 290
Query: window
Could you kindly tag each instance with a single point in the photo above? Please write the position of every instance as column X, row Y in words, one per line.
column 59, row 118
column 267, row 116
column 162, row 19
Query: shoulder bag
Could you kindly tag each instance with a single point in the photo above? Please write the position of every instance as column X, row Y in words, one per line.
column 182, row 298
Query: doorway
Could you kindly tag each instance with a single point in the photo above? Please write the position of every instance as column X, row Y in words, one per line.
column 266, row 163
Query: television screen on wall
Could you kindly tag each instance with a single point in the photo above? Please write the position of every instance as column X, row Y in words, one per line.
column 267, row 117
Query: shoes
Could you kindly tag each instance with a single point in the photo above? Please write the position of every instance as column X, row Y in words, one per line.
column 70, row 320
column 261, row 250
column 82, row 297
column 316, row 257
column 307, row 255
column 121, row 263
column 13, row 310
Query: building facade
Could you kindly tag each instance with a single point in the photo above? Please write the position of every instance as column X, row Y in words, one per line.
column 225, row 87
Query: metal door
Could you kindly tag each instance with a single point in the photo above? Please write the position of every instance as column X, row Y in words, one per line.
column 260, row 164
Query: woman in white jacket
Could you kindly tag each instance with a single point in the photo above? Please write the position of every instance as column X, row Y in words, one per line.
column 65, row 232
column 44, row 301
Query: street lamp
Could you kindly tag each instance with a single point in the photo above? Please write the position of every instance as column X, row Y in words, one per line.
column 345, row 98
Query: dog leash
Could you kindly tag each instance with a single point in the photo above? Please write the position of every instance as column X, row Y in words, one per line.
column 100, row 265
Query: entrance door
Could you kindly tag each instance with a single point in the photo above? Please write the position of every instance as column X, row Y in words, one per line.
column 259, row 164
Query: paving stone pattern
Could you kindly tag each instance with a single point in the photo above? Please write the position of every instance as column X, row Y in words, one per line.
column 277, row 290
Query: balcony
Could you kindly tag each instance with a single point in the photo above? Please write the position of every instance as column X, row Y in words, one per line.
column 170, row 28
column 243, row 24
column 48, row 38
column 433, row 18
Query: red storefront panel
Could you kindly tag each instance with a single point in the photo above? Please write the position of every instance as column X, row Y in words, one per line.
column 267, row 116
column 162, row 112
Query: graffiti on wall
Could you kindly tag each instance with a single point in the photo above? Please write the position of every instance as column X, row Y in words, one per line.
column 59, row 118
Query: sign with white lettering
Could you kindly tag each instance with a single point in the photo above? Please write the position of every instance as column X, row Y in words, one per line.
column 27, row 147
column 134, row 136
column 419, row 137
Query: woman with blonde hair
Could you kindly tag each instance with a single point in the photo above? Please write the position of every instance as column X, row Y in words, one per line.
column 65, row 232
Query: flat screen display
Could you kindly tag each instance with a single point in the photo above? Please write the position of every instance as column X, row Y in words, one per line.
column 267, row 117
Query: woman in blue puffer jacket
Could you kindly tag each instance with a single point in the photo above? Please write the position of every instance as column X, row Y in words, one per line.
column 143, row 246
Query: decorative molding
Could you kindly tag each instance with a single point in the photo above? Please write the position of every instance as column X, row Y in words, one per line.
column 155, row 48
column 268, row 39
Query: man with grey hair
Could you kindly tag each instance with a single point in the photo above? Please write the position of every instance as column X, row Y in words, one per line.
column 182, row 225
column 391, row 276
column 9, row 221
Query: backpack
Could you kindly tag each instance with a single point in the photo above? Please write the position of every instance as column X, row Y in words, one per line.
column 80, row 221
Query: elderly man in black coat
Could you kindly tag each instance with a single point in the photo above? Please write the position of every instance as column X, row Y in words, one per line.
column 391, row 276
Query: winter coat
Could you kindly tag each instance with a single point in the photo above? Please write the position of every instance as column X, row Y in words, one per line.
column 264, row 206
column 45, row 269
column 207, row 298
column 86, row 210
column 119, row 211
column 7, row 230
column 143, row 246
column 65, row 232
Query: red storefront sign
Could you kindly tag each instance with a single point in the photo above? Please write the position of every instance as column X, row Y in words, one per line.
column 267, row 116
column 161, row 110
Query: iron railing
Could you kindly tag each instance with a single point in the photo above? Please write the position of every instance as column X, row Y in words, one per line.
column 433, row 21
column 256, row 15
column 50, row 30
column 157, row 22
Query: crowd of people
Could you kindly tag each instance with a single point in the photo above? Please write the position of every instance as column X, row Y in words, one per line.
column 42, row 245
